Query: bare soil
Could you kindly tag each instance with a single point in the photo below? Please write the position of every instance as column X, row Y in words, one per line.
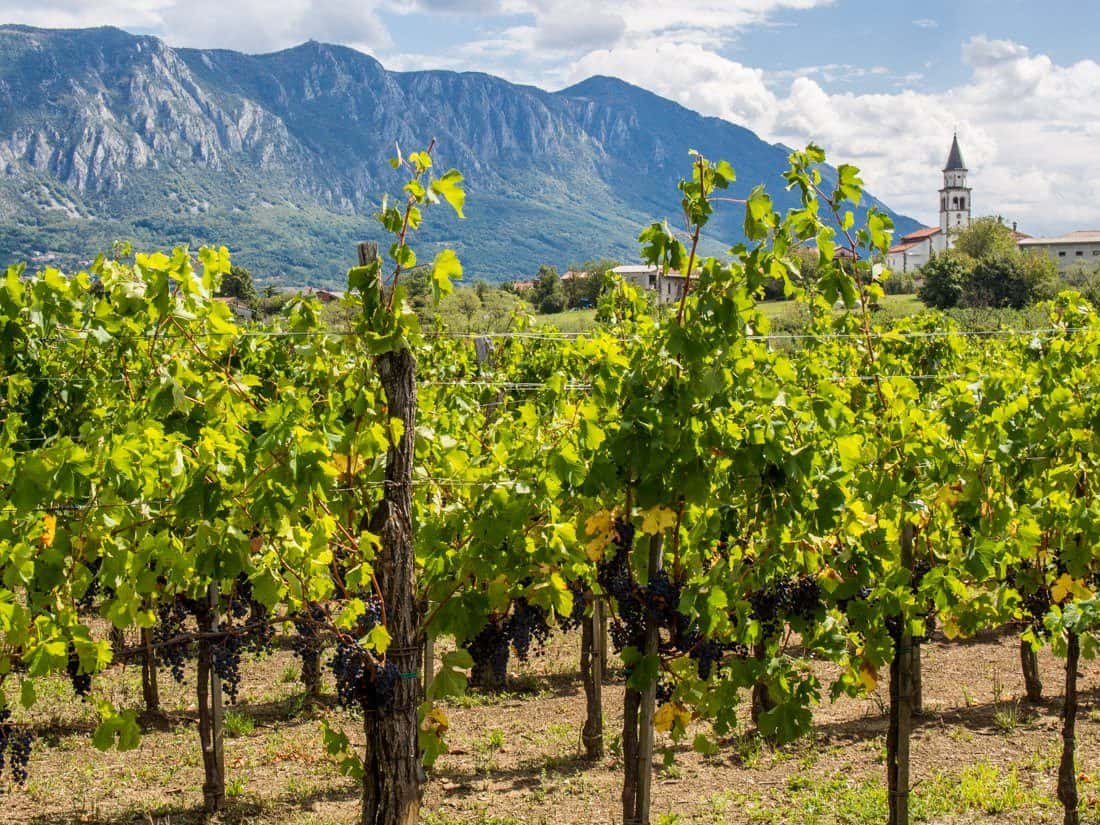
column 980, row 754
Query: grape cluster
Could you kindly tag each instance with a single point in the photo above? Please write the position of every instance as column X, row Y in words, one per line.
column 490, row 647
column 361, row 681
column 225, row 660
column 87, row 598
column 172, row 618
column 785, row 599
column 15, row 741
column 308, row 643
column 81, row 682
column 580, row 602
column 1034, row 596
column 527, row 625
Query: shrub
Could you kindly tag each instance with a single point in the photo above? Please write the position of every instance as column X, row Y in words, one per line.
column 945, row 279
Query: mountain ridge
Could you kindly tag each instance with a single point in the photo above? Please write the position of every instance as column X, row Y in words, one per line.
column 282, row 156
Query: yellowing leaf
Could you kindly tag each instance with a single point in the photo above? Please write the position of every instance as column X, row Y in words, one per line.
column 657, row 519
column 671, row 715
column 949, row 495
column 868, row 676
column 1067, row 586
column 600, row 528
column 435, row 721
column 951, row 628
column 49, row 529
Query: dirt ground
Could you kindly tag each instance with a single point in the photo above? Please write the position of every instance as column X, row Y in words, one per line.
column 980, row 754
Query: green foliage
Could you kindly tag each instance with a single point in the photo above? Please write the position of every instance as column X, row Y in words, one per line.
column 985, row 238
column 1015, row 280
column 547, row 294
column 237, row 283
column 945, row 279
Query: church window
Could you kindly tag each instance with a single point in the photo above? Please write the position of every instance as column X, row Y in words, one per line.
column 955, row 202
column 962, row 203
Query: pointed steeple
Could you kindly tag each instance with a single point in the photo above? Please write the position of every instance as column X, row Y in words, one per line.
column 955, row 162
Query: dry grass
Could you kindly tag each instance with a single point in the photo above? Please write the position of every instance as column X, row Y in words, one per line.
column 516, row 758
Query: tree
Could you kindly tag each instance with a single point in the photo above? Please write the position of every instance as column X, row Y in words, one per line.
column 585, row 291
column 1010, row 280
column 548, row 293
column 985, row 238
column 237, row 283
column 945, row 278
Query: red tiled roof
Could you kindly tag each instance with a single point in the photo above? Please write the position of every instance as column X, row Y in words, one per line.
column 903, row 247
column 920, row 234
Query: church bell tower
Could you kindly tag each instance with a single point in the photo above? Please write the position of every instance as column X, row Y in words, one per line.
column 955, row 195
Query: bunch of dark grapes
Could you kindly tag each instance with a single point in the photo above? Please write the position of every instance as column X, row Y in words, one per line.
column 15, row 741
column 662, row 600
column 490, row 648
column 307, row 643
column 580, row 603
column 19, row 753
column 225, row 659
column 527, row 624
column 260, row 633
column 172, row 618
column 804, row 597
column 360, row 681
column 770, row 606
column 706, row 655
column 613, row 574
column 664, row 691
column 920, row 569
column 81, row 682
column 372, row 614
column 1036, row 604
column 88, row 597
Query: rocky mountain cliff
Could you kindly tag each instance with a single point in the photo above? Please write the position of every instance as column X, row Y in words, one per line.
column 283, row 157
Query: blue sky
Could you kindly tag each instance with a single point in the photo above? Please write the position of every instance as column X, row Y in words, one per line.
column 880, row 84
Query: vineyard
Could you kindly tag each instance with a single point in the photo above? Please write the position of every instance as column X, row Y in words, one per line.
column 728, row 532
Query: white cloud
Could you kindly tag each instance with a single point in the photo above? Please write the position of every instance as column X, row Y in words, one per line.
column 247, row 25
column 1027, row 125
column 926, row 23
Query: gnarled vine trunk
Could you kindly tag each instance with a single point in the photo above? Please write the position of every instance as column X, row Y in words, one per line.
column 901, row 707
column 1029, row 664
column 393, row 777
column 1067, row 769
column 211, row 728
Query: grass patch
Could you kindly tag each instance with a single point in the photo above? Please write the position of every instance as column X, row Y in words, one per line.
column 838, row 798
column 237, row 724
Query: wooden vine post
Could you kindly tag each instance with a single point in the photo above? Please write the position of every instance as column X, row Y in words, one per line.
column 639, row 708
column 592, row 659
column 211, row 715
column 901, row 708
column 393, row 777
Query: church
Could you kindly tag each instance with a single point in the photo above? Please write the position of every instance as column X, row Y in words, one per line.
column 913, row 250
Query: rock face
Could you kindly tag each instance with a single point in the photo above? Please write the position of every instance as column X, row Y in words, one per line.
column 283, row 157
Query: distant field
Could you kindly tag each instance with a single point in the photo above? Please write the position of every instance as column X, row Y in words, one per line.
column 784, row 315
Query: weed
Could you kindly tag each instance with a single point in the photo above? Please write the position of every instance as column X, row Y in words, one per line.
column 237, row 724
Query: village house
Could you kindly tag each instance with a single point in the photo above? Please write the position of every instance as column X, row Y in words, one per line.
column 1081, row 247
column 669, row 287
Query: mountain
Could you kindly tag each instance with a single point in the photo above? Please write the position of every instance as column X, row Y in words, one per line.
column 284, row 157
